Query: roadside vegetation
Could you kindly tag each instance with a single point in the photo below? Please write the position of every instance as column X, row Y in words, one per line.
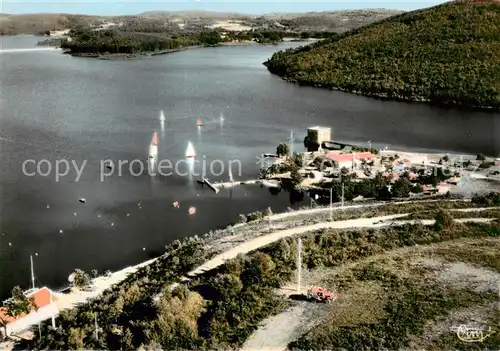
column 221, row 308
column 451, row 58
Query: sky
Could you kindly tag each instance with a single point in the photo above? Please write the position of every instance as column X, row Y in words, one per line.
column 132, row 7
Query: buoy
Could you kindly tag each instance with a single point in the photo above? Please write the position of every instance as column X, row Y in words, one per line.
column 60, row 231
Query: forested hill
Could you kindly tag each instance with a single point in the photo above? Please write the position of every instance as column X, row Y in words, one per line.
column 445, row 54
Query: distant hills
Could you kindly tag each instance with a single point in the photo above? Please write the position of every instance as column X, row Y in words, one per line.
column 447, row 54
column 337, row 21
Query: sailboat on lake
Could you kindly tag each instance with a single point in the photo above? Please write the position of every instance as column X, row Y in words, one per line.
column 153, row 147
column 190, row 152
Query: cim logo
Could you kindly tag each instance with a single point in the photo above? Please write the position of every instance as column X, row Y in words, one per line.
column 471, row 334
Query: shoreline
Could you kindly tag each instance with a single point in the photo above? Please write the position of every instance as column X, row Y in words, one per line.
column 385, row 96
column 146, row 54
column 76, row 297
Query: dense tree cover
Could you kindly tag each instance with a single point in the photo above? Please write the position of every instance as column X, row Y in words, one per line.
column 118, row 42
column 220, row 309
column 141, row 37
column 446, row 54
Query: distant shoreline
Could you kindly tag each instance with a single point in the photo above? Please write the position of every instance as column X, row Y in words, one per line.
column 107, row 56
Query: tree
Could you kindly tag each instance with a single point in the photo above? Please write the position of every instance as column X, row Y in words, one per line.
column 283, row 149
column 443, row 220
column 296, row 178
column 480, row 157
column 81, row 279
column 401, row 187
column 384, row 194
column 446, row 158
column 417, row 189
column 19, row 303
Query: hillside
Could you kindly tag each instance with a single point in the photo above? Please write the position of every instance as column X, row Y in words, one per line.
column 314, row 21
column 445, row 54
column 236, row 273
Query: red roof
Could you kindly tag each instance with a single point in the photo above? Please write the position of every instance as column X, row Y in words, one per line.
column 42, row 299
column 349, row 157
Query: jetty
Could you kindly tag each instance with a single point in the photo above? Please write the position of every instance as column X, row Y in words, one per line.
column 210, row 185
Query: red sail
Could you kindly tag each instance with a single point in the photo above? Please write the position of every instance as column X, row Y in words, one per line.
column 155, row 139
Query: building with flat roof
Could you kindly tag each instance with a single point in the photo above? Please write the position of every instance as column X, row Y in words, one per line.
column 316, row 136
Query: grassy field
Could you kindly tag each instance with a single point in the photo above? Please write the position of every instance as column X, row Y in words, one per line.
column 411, row 297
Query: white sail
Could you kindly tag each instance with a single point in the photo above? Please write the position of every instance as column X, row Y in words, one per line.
column 153, row 147
column 162, row 116
column 190, row 150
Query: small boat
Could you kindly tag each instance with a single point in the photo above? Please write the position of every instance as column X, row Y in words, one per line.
column 190, row 153
column 154, row 141
column 192, row 210
column 199, row 123
column 153, row 147
column 82, row 200
column 175, row 204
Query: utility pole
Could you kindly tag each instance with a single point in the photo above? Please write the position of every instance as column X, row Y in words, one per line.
column 96, row 328
column 299, row 263
column 331, row 206
column 32, row 273
column 342, row 194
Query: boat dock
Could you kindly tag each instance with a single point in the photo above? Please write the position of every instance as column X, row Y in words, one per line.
column 210, row 185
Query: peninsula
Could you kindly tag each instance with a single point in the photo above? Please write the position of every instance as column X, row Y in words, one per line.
column 447, row 54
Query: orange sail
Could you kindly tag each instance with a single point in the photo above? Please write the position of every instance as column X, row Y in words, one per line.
column 155, row 139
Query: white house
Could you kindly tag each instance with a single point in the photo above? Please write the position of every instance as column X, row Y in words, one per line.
column 45, row 300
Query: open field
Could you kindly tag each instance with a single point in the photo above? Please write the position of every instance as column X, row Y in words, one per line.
column 407, row 297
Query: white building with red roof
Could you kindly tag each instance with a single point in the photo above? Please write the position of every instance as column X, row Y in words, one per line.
column 349, row 160
column 45, row 300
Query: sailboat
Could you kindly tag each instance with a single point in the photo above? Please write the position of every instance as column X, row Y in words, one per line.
column 162, row 116
column 221, row 118
column 199, row 123
column 190, row 153
column 153, row 147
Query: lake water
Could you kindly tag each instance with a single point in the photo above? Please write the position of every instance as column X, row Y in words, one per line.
column 56, row 107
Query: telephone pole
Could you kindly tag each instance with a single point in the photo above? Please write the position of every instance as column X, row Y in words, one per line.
column 32, row 273
column 331, row 206
column 96, row 328
column 299, row 263
column 342, row 194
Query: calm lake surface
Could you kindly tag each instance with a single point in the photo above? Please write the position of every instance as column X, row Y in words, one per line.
column 56, row 107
